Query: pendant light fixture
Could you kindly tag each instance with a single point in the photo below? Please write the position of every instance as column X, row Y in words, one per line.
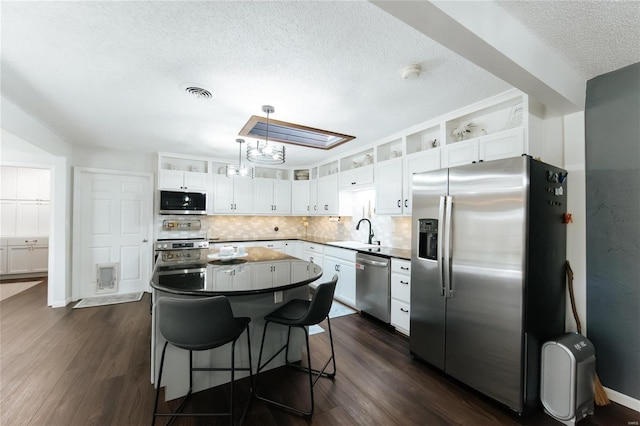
column 239, row 170
column 266, row 152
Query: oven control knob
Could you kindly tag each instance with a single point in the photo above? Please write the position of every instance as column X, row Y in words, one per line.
column 165, row 245
column 158, row 246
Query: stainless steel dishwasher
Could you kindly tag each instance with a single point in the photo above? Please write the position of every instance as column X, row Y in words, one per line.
column 373, row 289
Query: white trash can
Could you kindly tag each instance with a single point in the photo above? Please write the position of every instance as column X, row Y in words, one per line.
column 567, row 378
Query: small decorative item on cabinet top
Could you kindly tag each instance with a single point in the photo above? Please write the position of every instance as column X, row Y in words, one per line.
column 461, row 131
column 515, row 117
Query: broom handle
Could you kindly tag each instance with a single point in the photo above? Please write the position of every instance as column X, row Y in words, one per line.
column 571, row 296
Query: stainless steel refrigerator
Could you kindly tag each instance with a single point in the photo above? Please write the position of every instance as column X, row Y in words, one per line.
column 487, row 273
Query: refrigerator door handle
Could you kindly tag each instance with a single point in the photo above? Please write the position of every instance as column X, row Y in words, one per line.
column 440, row 252
column 448, row 291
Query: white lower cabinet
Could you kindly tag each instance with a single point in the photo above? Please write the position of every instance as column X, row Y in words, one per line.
column 272, row 272
column 294, row 248
column 232, row 276
column 341, row 262
column 27, row 255
column 3, row 256
column 401, row 295
column 314, row 253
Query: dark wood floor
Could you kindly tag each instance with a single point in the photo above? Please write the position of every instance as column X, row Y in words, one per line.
column 91, row 366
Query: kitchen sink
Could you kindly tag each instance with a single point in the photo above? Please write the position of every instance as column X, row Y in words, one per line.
column 352, row 244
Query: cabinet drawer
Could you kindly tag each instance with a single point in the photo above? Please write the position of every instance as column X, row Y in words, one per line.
column 340, row 253
column 401, row 266
column 400, row 316
column 400, row 287
column 316, row 248
column 273, row 245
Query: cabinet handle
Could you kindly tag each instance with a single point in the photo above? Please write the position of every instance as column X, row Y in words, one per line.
column 404, row 282
column 337, row 268
column 353, row 183
column 406, row 311
column 406, row 201
column 404, row 268
column 399, row 203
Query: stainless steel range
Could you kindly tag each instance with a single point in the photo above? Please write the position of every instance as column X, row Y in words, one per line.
column 180, row 249
column 176, row 254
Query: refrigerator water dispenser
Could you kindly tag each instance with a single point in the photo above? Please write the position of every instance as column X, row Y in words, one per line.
column 428, row 239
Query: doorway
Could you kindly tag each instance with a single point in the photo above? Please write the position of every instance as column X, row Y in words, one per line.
column 112, row 223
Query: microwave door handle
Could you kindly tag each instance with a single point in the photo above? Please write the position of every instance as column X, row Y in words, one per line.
column 447, row 248
column 440, row 250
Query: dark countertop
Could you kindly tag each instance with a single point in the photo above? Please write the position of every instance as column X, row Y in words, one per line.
column 378, row 251
column 260, row 271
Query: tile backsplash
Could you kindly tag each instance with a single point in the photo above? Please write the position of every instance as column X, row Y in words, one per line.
column 389, row 230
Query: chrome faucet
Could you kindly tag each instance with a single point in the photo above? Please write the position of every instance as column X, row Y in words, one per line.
column 370, row 229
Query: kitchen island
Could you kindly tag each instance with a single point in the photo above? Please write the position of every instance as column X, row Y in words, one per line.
column 255, row 284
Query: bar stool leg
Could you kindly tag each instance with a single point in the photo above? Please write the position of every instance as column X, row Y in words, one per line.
column 155, row 406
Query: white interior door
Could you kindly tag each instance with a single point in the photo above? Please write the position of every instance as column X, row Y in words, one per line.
column 112, row 225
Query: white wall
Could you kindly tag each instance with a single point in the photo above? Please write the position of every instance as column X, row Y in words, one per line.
column 26, row 140
column 574, row 154
column 111, row 159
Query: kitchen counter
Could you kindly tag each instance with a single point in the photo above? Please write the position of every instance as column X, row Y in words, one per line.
column 384, row 251
column 260, row 271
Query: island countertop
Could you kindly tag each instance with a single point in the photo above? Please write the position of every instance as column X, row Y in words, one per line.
column 260, row 271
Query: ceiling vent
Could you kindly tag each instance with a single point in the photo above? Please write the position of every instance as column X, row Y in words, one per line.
column 296, row 134
column 196, row 91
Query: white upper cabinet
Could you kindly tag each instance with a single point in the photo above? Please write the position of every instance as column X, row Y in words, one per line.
column 424, row 161
column 271, row 196
column 497, row 128
column 232, row 195
column 183, row 173
column 389, row 195
column 313, row 197
column 33, row 184
column 509, row 143
column 187, row 181
column 328, row 197
column 460, row 153
column 8, row 182
column 24, row 208
column 32, row 218
column 300, row 197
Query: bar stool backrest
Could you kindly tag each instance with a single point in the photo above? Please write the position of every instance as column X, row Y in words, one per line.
column 321, row 302
column 198, row 323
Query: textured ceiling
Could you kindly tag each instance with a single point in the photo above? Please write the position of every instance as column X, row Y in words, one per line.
column 595, row 37
column 108, row 73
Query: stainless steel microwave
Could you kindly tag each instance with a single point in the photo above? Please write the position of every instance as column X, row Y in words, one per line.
column 179, row 202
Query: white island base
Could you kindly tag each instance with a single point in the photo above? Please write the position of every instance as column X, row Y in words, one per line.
column 175, row 375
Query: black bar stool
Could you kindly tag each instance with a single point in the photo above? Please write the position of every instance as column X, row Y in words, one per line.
column 199, row 325
column 301, row 313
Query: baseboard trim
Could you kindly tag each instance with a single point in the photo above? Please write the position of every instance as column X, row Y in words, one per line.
column 60, row 303
column 623, row 399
